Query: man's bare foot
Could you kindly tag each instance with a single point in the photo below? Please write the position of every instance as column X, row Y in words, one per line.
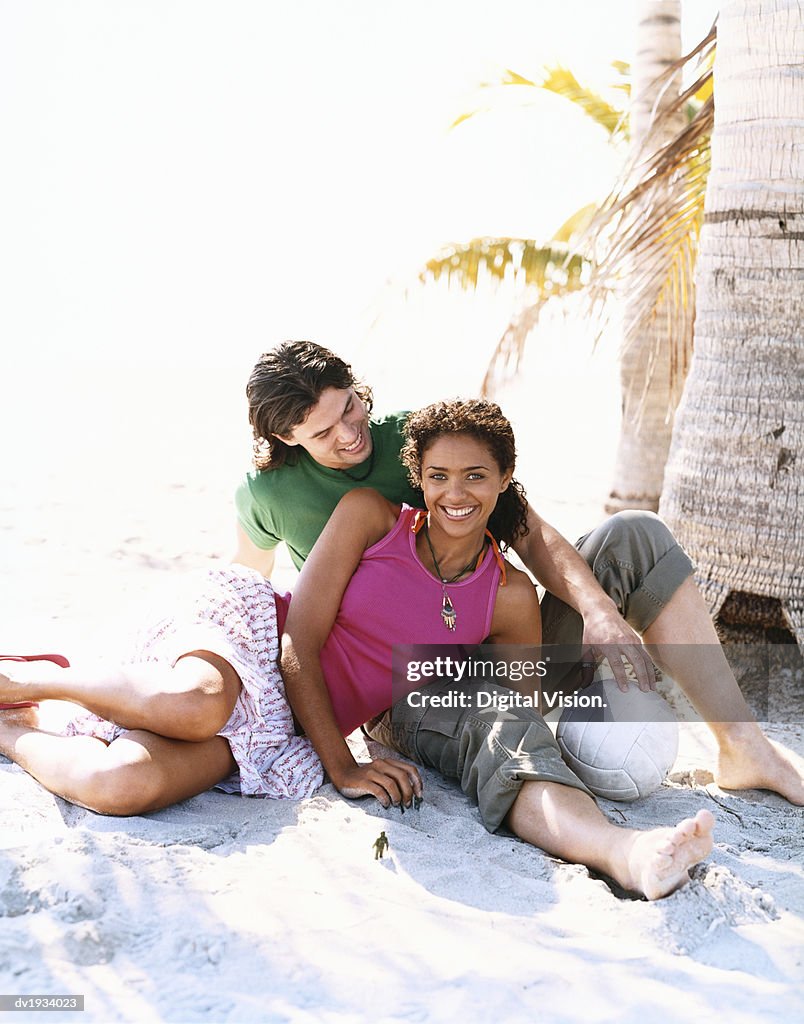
column 658, row 861
column 749, row 760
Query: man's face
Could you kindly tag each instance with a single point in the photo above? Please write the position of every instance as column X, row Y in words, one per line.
column 336, row 432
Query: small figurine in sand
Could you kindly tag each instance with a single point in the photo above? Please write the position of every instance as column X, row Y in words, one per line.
column 381, row 844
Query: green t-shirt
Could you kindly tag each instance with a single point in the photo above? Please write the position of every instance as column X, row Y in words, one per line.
column 293, row 503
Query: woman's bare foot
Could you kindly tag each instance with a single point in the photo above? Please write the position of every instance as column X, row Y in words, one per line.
column 25, row 717
column 16, row 680
column 658, row 861
column 749, row 760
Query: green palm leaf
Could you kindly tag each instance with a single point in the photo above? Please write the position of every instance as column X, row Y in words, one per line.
column 510, row 349
column 576, row 225
column 549, row 269
column 646, row 232
column 562, row 82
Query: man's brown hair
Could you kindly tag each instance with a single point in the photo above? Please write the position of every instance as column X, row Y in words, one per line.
column 284, row 386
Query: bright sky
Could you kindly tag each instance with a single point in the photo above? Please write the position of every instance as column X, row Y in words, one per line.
column 195, row 179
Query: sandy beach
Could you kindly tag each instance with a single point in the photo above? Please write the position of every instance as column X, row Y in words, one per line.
column 232, row 909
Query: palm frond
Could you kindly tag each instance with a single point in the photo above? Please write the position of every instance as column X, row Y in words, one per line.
column 575, row 225
column 646, row 232
column 549, row 269
column 512, row 78
column 467, row 115
column 623, row 68
column 562, row 82
column 509, row 350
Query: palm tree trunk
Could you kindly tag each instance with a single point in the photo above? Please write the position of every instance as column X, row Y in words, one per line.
column 648, row 397
column 734, row 489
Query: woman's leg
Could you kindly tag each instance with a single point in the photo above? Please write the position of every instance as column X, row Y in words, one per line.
column 567, row 823
column 137, row 773
column 191, row 701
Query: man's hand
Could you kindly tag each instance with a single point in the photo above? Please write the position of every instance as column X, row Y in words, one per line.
column 606, row 634
column 559, row 567
column 391, row 781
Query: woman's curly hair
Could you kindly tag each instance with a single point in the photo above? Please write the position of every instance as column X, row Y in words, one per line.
column 484, row 421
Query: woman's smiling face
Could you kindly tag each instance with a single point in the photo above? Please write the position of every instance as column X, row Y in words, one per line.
column 461, row 482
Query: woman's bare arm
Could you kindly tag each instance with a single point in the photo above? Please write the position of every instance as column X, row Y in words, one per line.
column 361, row 518
column 516, row 628
column 516, row 619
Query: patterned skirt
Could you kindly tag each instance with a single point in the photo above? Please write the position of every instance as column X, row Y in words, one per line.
column 231, row 612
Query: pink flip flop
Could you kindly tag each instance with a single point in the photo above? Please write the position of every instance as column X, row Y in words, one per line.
column 57, row 659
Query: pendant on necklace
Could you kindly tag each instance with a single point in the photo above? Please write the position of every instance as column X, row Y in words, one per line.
column 447, row 611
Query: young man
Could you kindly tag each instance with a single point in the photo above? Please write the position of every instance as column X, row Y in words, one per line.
column 625, row 593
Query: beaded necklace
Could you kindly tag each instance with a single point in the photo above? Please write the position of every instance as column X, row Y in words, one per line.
column 448, row 614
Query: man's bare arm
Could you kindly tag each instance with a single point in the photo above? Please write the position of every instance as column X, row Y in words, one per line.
column 559, row 567
column 247, row 553
column 562, row 570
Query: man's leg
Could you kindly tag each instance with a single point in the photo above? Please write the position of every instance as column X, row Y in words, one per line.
column 640, row 565
column 191, row 701
column 683, row 642
column 137, row 773
column 636, row 560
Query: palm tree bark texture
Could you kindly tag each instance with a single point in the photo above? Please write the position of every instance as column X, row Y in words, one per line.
column 734, row 484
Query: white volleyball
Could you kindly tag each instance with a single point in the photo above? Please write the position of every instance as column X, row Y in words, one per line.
column 622, row 751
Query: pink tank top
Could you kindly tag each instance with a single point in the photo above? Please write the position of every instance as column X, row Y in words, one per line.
column 392, row 599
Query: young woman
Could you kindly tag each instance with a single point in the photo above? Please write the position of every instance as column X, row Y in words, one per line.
column 205, row 704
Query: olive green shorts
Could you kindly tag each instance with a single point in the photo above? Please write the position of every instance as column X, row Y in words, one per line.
column 636, row 560
column 640, row 565
column 490, row 754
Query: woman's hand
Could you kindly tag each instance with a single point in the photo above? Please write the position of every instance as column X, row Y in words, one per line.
column 389, row 780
